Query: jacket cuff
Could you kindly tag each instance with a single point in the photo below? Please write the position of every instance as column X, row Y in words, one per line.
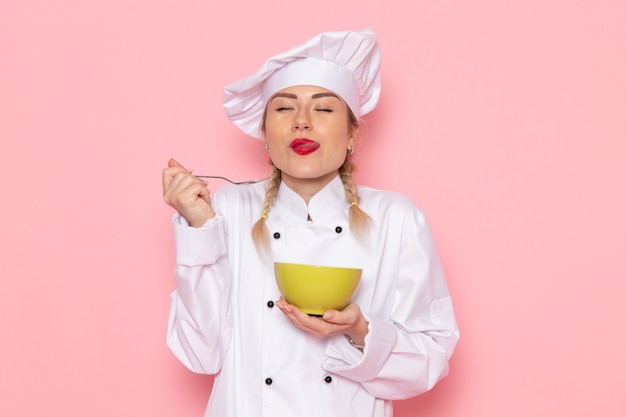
column 196, row 246
column 344, row 359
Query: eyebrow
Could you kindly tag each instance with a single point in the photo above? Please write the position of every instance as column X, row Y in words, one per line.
column 316, row 95
column 320, row 95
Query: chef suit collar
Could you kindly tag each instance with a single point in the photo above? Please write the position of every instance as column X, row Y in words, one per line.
column 327, row 202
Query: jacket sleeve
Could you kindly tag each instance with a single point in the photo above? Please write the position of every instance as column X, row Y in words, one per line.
column 407, row 352
column 200, row 316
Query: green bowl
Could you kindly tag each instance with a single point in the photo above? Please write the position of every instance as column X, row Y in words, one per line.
column 315, row 289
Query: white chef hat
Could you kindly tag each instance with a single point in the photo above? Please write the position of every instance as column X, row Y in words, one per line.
column 347, row 63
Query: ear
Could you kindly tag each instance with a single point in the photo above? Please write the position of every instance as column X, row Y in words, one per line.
column 352, row 139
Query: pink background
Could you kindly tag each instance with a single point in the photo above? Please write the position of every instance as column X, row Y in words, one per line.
column 504, row 120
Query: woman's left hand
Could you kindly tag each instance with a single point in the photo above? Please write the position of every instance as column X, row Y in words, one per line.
column 349, row 321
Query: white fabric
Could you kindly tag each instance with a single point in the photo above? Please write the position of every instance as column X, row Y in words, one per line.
column 220, row 322
column 319, row 72
column 347, row 63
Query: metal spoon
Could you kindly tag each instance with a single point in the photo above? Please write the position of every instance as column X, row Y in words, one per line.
column 231, row 181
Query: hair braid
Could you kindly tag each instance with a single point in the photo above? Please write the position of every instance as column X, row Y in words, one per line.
column 259, row 230
column 359, row 220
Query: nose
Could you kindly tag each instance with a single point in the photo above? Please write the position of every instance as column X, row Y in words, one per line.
column 302, row 121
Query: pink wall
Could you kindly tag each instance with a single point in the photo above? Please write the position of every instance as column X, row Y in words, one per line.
column 505, row 121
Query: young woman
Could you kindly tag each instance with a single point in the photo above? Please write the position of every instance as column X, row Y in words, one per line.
column 227, row 317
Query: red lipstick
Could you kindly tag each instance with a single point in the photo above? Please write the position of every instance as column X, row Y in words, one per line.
column 304, row 146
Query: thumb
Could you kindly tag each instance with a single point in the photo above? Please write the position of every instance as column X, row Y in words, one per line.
column 174, row 163
column 330, row 316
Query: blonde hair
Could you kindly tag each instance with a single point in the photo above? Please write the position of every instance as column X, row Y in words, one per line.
column 359, row 220
column 260, row 235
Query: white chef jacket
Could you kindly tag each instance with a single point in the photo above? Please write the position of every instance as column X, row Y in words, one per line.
column 223, row 321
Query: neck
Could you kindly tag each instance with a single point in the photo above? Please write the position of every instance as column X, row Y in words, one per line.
column 308, row 187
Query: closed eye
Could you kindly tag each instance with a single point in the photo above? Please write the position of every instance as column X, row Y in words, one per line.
column 325, row 110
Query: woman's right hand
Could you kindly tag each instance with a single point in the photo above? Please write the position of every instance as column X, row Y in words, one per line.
column 187, row 194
